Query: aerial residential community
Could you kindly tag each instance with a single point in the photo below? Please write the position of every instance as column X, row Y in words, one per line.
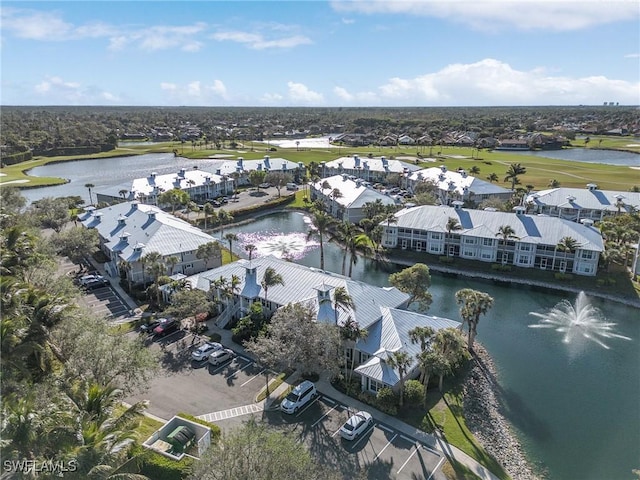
column 323, row 240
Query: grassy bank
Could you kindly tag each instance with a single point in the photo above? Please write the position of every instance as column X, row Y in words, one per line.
column 540, row 170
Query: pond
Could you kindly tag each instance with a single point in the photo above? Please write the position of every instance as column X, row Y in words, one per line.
column 588, row 155
column 575, row 406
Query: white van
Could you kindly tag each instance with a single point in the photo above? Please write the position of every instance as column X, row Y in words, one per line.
column 299, row 397
column 292, row 186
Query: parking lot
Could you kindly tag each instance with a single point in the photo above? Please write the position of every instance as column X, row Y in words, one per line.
column 198, row 388
column 380, row 451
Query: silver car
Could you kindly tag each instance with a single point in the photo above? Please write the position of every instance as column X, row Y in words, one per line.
column 220, row 356
column 356, row 425
column 205, row 350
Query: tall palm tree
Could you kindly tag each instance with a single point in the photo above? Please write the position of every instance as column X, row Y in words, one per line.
column 401, row 361
column 428, row 361
column 269, row 279
column 231, row 237
column 506, row 233
column 123, row 193
column 154, row 265
column 343, row 235
column 492, row 177
column 350, row 333
column 422, row 335
column 472, row 304
column 250, row 248
column 171, row 262
column 453, row 225
column 342, row 301
column 208, row 250
column 322, row 222
column 207, row 210
column 450, row 344
column 126, row 267
column 514, row 170
column 356, row 243
column 89, row 186
column 224, row 217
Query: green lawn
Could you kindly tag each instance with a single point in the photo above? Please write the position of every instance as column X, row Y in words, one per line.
column 540, row 171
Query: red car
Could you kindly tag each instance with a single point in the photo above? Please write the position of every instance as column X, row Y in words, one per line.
column 165, row 326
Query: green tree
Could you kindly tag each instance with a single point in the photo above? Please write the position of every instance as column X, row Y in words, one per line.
column 208, row 210
column 51, row 213
column 493, row 177
column 186, row 303
column 76, row 243
column 89, row 186
column 269, row 279
column 231, row 237
column 401, row 361
column 322, row 222
column 174, row 197
column 350, row 333
column 513, row 172
column 472, row 304
column 250, row 248
column 415, row 281
column 453, row 225
column 278, row 179
column 256, row 177
column 208, row 251
column 255, row 451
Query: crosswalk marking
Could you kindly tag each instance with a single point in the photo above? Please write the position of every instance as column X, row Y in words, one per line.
column 232, row 412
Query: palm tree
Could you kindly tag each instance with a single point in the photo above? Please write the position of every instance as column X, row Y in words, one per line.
column 553, row 183
column 208, row 250
column 422, row 335
column 474, row 170
column 171, row 262
column 322, row 222
column 231, row 237
column 492, row 177
column 355, row 243
column 224, row 217
column 126, row 267
column 123, row 193
column 342, row 235
column 401, row 361
column 342, row 301
column 506, row 232
column 472, row 304
column 250, row 248
column 208, row 210
column 269, row 279
column 153, row 264
column 89, row 186
column 429, row 361
column 514, row 170
column 453, row 225
column 350, row 333
column 450, row 344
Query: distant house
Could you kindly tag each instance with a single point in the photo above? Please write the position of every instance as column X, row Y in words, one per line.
column 534, row 243
column 240, row 169
column 354, row 193
column 128, row 231
column 513, row 144
column 457, row 185
column 576, row 204
column 379, row 310
column 370, row 169
column 200, row 185
column 406, row 140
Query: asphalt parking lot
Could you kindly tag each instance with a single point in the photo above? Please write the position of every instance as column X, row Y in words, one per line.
column 198, row 388
column 106, row 302
column 381, row 451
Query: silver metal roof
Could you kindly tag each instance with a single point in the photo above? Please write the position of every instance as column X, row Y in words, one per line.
column 584, row 198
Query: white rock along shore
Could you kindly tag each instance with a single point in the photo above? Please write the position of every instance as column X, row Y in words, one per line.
column 482, row 412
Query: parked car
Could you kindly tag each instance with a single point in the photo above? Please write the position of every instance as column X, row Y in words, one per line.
column 95, row 283
column 356, row 425
column 220, row 356
column 148, row 327
column 216, row 203
column 292, row 186
column 299, row 397
column 165, row 326
column 203, row 351
column 264, row 185
column 85, row 279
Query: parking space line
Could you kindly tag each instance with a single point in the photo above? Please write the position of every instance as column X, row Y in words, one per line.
column 437, row 467
column 385, row 447
column 408, row 439
column 362, row 437
column 308, row 406
column 255, row 376
column 238, row 371
column 435, row 452
column 410, row 457
column 387, row 429
column 322, row 417
column 331, row 401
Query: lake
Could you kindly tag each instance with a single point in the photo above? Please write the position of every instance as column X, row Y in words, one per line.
column 575, row 406
column 588, row 155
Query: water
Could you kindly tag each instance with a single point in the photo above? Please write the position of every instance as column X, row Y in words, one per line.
column 108, row 172
column 588, row 155
column 576, row 412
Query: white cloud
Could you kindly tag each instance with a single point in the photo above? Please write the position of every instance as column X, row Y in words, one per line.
column 196, row 92
column 632, row 55
column 35, row 25
column 57, row 91
column 492, row 82
column 257, row 41
column 299, row 94
column 552, row 15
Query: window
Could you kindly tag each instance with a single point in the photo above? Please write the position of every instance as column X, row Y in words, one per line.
column 487, row 242
column 435, row 236
column 543, row 263
column 587, row 255
column 467, row 252
column 486, row 255
column 374, row 386
column 523, row 259
column 434, row 248
column 418, row 246
column 470, row 241
column 525, row 247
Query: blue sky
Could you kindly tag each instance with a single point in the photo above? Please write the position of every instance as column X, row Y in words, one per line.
column 317, row 53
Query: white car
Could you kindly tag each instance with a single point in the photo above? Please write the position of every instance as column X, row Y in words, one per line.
column 220, row 356
column 87, row 279
column 356, row 425
column 204, row 350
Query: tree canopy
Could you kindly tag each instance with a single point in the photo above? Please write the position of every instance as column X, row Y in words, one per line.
column 415, row 281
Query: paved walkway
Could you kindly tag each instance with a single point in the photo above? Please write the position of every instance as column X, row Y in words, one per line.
column 233, row 412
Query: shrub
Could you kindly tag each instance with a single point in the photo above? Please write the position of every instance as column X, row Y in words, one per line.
column 387, row 401
column 444, row 259
column 215, row 429
column 563, row 276
column 215, row 337
column 413, row 392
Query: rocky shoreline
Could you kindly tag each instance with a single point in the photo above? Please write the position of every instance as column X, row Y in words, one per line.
column 482, row 412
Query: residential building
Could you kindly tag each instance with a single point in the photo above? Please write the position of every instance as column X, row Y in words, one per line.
column 200, row 185
column 457, row 185
column 533, row 243
column 379, row 310
column 576, row 204
column 370, row 169
column 240, row 169
column 128, row 231
column 346, row 196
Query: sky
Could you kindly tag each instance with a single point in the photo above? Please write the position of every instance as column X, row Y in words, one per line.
column 355, row 53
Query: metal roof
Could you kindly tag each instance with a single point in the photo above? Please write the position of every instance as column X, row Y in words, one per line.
column 374, row 164
column 354, row 193
column 585, row 198
column 535, row 229
column 456, row 181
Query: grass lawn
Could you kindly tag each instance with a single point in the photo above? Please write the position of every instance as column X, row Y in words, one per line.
column 445, row 414
column 540, row 171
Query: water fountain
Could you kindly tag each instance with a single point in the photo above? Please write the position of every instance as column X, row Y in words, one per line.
column 579, row 322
